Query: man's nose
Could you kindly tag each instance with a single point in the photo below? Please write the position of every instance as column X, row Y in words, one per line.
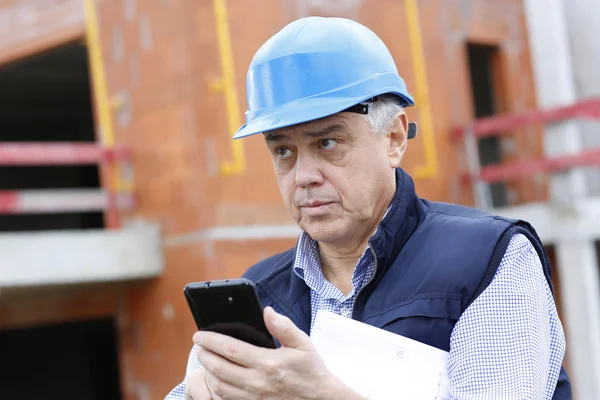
column 308, row 172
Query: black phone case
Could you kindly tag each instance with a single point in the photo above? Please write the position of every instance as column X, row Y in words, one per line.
column 230, row 307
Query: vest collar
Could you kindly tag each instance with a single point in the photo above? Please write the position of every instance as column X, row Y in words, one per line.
column 405, row 215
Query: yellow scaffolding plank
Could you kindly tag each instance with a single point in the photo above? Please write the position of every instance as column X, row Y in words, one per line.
column 227, row 84
column 429, row 169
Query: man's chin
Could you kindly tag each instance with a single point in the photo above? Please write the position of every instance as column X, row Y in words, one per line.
column 324, row 231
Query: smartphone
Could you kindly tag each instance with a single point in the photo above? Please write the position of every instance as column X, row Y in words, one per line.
column 230, row 307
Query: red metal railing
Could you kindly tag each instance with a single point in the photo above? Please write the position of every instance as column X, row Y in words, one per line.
column 63, row 200
column 503, row 124
column 59, row 154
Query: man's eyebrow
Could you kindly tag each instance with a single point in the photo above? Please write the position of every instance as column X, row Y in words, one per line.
column 337, row 127
column 327, row 130
column 274, row 137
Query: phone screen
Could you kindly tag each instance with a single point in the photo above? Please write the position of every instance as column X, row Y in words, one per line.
column 229, row 307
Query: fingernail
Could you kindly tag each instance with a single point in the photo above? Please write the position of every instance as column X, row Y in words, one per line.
column 198, row 338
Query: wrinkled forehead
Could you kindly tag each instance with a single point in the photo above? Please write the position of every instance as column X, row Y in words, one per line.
column 338, row 123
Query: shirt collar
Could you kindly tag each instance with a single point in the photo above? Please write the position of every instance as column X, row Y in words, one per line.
column 307, row 263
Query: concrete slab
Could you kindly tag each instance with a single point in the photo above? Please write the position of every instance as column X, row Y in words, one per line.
column 73, row 257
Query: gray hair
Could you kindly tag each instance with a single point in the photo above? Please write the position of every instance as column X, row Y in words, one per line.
column 382, row 111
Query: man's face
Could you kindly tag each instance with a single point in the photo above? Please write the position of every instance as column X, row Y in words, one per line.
column 336, row 176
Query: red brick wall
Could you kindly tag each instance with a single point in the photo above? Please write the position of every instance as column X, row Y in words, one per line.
column 163, row 56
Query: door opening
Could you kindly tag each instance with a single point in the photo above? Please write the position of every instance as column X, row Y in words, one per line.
column 551, row 251
column 598, row 253
column 73, row 361
column 483, row 74
column 47, row 98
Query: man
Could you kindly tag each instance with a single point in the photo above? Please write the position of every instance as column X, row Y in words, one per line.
column 327, row 97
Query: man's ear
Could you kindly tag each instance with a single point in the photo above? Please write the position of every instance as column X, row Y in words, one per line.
column 398, row 139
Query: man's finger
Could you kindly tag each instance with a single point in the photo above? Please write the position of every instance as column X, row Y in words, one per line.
column 195, row 388
column 223, row 369
column 284, row 330
column 235, row 350
column 223, row 390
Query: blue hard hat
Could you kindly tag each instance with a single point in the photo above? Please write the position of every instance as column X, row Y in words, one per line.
column 315, row 67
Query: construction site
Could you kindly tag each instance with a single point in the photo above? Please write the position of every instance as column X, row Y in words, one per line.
column 120, row 183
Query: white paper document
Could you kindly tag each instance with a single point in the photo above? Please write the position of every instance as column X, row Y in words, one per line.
column 378, row 364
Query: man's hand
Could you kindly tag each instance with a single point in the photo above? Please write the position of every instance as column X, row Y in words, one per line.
column 237, row 370
column 195, row 387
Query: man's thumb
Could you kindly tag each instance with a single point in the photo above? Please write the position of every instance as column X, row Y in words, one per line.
column 284, row 330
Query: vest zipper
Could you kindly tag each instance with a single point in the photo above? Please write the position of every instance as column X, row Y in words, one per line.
column 368, row 282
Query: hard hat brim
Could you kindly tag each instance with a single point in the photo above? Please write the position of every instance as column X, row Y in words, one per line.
column 322, row 105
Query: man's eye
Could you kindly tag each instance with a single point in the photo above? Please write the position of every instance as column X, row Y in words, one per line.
column 328, row 144
column 283, row 152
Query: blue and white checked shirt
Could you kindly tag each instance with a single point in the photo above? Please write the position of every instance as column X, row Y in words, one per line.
column 508, row 344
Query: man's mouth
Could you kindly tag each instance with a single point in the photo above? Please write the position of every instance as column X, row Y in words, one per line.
column 316, row 204
column 316, row 208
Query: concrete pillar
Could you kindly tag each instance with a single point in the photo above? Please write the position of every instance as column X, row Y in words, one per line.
column 553, row 77
column 577, row 263
column 578, row 269
column 583, row 32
